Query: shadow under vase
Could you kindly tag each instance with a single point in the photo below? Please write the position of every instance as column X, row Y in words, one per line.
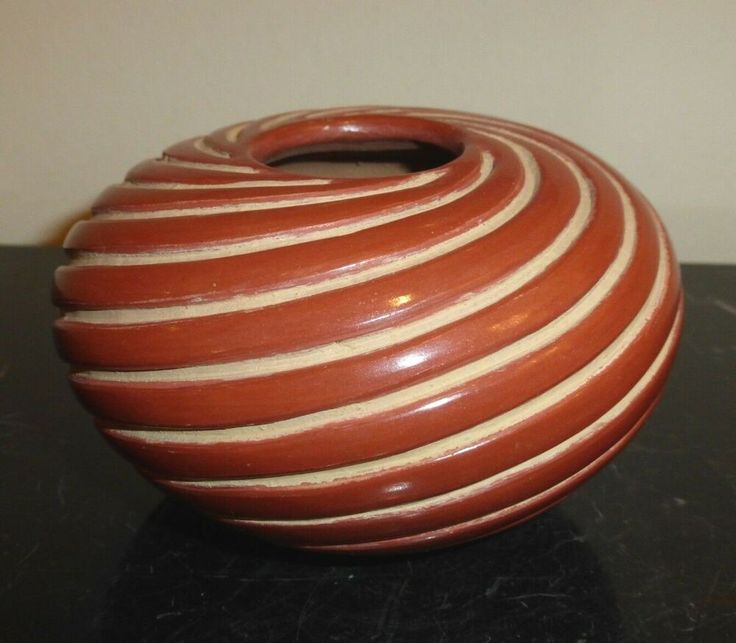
column 186, row 578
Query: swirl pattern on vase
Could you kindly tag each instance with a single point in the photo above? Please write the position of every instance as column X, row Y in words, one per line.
column 370, row 364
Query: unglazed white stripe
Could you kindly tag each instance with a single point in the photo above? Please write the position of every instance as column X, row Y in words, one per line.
column 342, row 111
column 202, row 146
column 217, row 167
column 465, row 439
column 273, row 297
column 284, row 240
column 518, row 508
column 280, row 183
column 392, row 336
column 413, row 181
column 232, row 134
column 588, row 434
column 428, row 536
column 447, row 382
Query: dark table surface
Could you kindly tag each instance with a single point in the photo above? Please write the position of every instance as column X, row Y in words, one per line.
column 645, row 551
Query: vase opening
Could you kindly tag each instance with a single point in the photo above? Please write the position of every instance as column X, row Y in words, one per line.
column 362, row 159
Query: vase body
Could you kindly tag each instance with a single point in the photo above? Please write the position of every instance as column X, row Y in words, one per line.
column 370, row 364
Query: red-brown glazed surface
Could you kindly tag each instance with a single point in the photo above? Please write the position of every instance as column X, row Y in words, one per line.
column 370, row 364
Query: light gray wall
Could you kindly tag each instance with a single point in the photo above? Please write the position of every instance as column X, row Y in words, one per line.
column 89, row 88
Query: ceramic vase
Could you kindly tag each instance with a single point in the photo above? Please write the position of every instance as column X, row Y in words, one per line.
column 374, row 363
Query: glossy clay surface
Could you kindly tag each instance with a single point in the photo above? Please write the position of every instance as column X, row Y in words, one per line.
column 377, row 364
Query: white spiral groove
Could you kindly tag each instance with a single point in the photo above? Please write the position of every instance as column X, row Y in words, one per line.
column 523, row 468
column 467, row 438
column 291, row 202
column 453, row 379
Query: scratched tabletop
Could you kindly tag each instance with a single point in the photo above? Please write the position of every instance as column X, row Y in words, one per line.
column 644, row 551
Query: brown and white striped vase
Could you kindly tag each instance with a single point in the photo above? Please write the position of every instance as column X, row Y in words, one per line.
column 370, row 364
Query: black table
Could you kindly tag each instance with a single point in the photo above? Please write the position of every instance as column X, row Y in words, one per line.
column 645, row 551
